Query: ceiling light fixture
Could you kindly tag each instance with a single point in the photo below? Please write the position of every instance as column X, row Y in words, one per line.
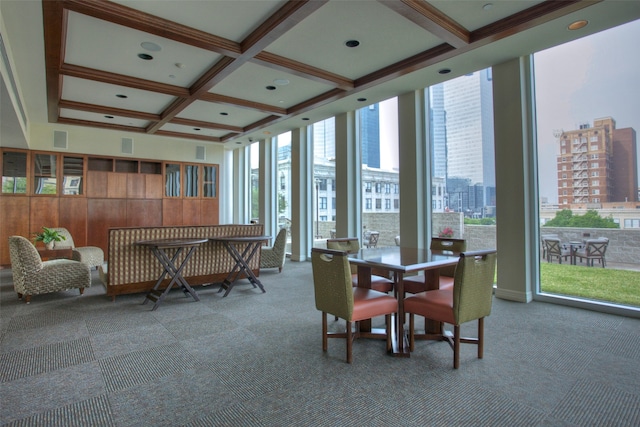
column 444, row 71
column 305, row 118
column 119, row 95
column 270, row 88
column 109, row 117
column 352, row 43
column 487, row 6
column 196, row 129
column 578, row 24
column 151, row 46
column 224, row 114
column 145, row 56
column 281, row 82
column 362, row 99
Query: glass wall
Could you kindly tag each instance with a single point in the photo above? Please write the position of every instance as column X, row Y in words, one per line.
column 588, row 114
column 378, row 130
column 283, row 185
column 254, row 202
column 324, row 178
column 462, row 159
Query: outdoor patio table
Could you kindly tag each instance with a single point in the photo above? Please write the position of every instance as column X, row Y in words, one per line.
column 159, row 249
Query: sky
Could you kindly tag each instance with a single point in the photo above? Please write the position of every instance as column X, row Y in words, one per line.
column 597, row 76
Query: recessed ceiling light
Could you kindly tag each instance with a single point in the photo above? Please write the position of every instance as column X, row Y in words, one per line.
column 281, row 82
column 444, row 71
column 224, row 114
column 179, row 65
column 151, row 46
column 108, row 117
column 145, row 56
column 305, row 118
column 197, row 129
column 239, row 142
column 362, row 99
column 119, row 95
column 352, row 43
column 578, row 24
column 270, row 88
column 487, row 6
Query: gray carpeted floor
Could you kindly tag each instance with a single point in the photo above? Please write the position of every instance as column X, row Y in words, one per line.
column 254, row 359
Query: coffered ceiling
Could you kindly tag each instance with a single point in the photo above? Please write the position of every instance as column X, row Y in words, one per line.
column 226, row 71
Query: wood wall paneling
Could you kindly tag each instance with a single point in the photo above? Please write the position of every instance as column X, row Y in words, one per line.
column 43, row 212
column 154, row 186
column 102, row 214
column 144, row 213
column 73, row 217
column 209, row 212
column 97, row 184
column 136, row 186
column 191, row 212
column 14, row 218
column 172, row 212
column 116, row 185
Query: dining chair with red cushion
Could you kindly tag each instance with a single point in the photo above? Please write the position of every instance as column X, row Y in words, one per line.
column 351, row 245
column 334, row 294
column 469, row 299
column 415, row 284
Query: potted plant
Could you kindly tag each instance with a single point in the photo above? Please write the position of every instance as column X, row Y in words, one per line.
column 48, row 236
column 446, row 232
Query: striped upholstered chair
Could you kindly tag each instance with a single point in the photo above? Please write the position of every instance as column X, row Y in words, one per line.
column 274, row 256
column 93, row 256
column 32, row 276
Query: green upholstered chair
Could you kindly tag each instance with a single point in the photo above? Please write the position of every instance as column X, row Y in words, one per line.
column 93, row 256
column 415, row 284
column 32, row 276
column 469, row 299
column 334, row 294
column 274, row 256
column 351, row 245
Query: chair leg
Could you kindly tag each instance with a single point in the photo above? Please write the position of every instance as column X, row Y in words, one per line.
column 27, row 299
column 324, row 331
column 81, row 291
column 412, row 337
column 456, row 346
column 349, row 343
column 387, row 319
column 480, row 337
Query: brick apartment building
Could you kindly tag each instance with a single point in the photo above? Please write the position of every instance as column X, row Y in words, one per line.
column 596, row 165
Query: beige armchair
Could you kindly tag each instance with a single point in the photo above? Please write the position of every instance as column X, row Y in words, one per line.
column 274, row 256
column 32, row 276
column 93, row 256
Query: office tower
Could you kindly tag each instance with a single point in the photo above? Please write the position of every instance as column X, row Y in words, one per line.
column 370, row 135
column 597, row 164
column 438, row 131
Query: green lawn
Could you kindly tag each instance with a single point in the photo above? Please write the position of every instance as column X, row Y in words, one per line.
column 603, row 284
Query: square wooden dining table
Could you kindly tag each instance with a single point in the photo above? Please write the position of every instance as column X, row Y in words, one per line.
column 401, row 261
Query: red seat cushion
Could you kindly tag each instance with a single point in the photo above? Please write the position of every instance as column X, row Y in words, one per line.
column 415, row 284
column 368, row 303
column 436, row 305
column 378, row 283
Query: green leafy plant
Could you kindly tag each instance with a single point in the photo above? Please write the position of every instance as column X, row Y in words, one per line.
column 48, row 235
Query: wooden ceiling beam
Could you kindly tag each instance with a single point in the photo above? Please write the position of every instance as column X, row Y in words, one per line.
column 101, row 109
column 243, row 103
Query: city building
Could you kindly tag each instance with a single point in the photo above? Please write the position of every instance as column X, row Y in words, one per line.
column 596, row 165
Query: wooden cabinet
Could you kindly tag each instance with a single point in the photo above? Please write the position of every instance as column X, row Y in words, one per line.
column 89, row 194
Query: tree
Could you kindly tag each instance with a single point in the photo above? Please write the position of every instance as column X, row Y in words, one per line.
column 591, row 219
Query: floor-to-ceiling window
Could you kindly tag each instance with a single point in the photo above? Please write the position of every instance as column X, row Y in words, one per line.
column 588, row 116
column 378, row 130
column 462, row 159
column 283, row 184
column 324, row 180
column 254, row 182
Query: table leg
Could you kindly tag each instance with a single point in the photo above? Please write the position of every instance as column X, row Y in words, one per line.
column 174, row 272
column 242, row 265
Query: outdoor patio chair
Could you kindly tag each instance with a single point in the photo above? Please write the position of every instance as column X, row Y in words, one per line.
column 594, row 249
column 555, row 249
